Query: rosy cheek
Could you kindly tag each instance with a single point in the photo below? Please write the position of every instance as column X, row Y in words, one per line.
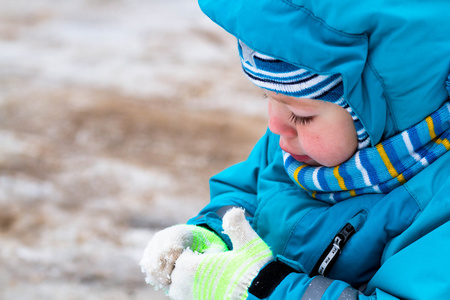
column 323, row 148
column 311, row 143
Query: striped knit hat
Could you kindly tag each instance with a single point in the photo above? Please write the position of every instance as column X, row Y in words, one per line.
column 281, row 77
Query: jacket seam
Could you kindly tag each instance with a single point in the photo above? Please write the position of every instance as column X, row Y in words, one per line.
column 413, row 195
column 238, row 201
column 386, row 98
column 293, row 229
column 362, row 36
column 262, row 204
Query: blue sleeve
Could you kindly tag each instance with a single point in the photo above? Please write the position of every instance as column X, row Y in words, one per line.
column 237, row 186
column 300, row 286
column 278, row 281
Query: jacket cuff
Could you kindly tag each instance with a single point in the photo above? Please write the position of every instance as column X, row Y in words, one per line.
column 213, row 221
column 269, row 278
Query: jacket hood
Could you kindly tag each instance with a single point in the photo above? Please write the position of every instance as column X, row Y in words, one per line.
column 393, row 56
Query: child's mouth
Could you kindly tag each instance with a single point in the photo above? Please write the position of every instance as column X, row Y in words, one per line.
column 301, row 158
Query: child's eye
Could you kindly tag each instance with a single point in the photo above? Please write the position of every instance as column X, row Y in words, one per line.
column 300, row 120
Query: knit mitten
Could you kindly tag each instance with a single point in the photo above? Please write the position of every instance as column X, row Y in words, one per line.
column 225, row 275
column 167, row 245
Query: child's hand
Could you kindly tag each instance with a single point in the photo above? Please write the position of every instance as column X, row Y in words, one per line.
column 167, row 245
column 225, row 275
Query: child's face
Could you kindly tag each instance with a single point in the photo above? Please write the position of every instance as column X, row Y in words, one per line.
column 315, row 132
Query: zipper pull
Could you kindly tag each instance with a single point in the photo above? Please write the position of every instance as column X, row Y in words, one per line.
column 332, row 252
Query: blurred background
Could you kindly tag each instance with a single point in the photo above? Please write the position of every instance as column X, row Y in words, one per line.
column 113, row 115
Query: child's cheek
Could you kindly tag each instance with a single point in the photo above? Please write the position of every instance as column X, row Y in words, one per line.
column 313, row 145
column 324, row 146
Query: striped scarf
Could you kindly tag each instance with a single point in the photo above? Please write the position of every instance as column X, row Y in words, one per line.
column 378, row 169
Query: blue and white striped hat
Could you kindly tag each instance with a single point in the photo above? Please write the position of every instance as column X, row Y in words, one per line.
column 282, row 77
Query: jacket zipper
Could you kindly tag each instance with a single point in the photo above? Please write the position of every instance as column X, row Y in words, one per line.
column 332, row 252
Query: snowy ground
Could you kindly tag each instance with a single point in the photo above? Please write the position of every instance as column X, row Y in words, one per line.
column 113, row 115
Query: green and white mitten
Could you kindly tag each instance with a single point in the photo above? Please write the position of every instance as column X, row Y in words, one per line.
column 225, row 275
column 167, row 245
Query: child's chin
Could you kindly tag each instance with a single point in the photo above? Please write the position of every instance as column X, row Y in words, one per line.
column 305, row 159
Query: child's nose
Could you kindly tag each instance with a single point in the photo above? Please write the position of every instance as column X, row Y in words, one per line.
column 280, row 126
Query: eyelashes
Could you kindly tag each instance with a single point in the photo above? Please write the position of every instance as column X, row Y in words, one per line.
column 293, row 118
column 300, row 120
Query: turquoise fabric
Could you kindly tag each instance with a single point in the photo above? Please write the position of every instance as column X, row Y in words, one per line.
column 394, row 58
column 297, row 228
column 393, row 55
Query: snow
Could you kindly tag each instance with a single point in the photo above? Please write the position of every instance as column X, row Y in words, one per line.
column 113, row 115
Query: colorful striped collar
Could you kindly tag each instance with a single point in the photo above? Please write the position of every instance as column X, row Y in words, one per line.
column 378, row 169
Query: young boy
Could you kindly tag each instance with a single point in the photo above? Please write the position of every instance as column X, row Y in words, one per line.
column 347, row 193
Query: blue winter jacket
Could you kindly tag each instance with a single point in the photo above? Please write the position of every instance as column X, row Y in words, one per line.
column 394, row 57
